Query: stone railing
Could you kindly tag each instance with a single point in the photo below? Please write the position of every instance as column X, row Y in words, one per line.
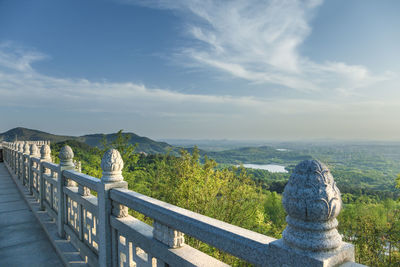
column 103, row 232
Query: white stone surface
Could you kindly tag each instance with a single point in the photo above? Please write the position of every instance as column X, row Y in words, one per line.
column 45, row 153
column 112, row 165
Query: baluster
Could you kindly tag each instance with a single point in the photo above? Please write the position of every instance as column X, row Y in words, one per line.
column 34, row 153
column 167, row 235
column 66, row 156
column 45, row 153
column 83, row 191
column 25, row 162
column 11, row 160
column 14, row 156
column 112, row 165
column 19, row 163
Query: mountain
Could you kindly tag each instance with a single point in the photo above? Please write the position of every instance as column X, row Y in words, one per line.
column 24, row 134
column 144, row 144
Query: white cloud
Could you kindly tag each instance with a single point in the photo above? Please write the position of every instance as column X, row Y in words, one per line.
column 16, row 58
column 72, row 105
column 258, row 40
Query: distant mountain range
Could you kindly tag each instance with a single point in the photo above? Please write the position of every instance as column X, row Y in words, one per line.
column 144, row 144
column 252, row 154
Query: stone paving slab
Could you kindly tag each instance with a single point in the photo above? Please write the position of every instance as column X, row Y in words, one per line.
column 15, row 217
column 10, row 198
column 20, row 233
column 8, row 191
column 22, row 240
column 13, row 205
column 31, row 253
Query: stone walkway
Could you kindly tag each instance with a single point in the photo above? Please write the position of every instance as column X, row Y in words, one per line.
column 22, row 240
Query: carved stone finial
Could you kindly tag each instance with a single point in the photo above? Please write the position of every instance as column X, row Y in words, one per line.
column 112, row 165
column 312, row 202
column 66, row 155
column 45, row 153
column 26, row 148
column 34, row 151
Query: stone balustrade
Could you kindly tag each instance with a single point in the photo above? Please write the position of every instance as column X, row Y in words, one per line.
column 93, row 215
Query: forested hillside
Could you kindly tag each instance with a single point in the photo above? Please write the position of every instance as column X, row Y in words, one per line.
column 143, row 144
column 363, row 168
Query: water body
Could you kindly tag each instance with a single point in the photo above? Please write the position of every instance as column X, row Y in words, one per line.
column 268, row 167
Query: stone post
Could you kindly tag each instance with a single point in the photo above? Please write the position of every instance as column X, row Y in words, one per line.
column 312, row 202
column 66, row 163
column 19, row 160
column 11, row 154
column 25, row 162
column 45, row 155
column 4, row 151
column 112, row 165
column 11, row 160
column 14, row 148
column 34, row 153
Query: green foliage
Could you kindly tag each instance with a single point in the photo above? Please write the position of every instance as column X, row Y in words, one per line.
column 374, row 229
column 222, row 194
column 275, row 214
column 247, row 198
column 122, row 144
column 257, row 155
column 90, row 157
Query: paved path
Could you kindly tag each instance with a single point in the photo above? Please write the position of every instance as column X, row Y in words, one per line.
column 22, row 240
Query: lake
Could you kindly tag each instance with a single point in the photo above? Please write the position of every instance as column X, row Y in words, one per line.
column 268, row 167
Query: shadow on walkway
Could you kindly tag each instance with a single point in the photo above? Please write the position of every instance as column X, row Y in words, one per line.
column 22, row 240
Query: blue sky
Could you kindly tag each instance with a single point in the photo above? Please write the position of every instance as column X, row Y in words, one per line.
column 239, row 69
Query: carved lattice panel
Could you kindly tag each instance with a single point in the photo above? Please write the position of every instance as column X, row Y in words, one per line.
column 26, row 170
column 48, row 191
column 34, row 180
column 51, row 195
column 73, row 216
column 37, row 182
column 55, row 198
column 90, row 223
column 130, row 255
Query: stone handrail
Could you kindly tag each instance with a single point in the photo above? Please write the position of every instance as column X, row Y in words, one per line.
column 106, row 235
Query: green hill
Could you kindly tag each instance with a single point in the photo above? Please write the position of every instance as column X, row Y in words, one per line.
column 144, row 144
column 24, row 134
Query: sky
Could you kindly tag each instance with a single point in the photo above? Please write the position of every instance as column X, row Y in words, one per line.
column 202, row 69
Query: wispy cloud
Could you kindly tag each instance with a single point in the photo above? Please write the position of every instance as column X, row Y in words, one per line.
column 259, row 40
column 167, row 113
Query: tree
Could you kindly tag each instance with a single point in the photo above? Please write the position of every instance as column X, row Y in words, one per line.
column 125, row 148
column 225, row 194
